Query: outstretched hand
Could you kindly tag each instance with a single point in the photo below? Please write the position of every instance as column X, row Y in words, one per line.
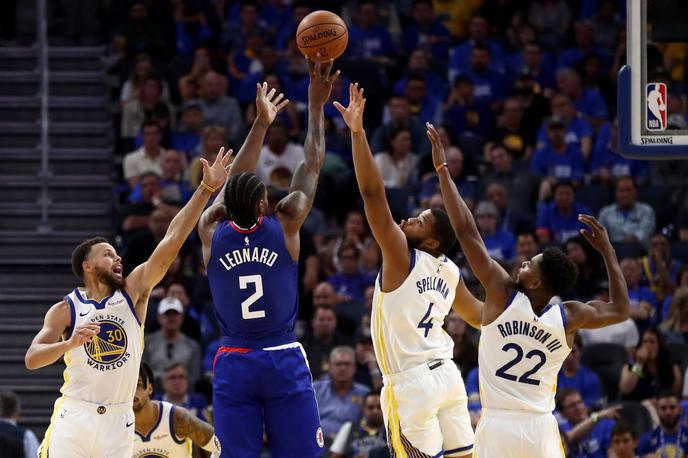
column 438, row 156
column 597, row 235
column 353, row 114
column 268, row 104
column 215, row 175
column 321, row 81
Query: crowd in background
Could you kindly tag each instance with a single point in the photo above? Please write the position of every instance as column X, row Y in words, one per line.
column 524, row 95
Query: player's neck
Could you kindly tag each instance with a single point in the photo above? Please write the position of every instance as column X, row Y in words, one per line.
column 147, row 417
column 538, row 302
column 97, row 291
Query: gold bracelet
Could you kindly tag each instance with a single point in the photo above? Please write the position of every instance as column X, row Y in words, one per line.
column 439, row 167
column 207, row 188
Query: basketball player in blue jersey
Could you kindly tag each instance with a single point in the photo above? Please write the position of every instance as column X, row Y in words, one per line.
column 524, row 339
column 98, row 330
column 424, row 401
column 261, row 378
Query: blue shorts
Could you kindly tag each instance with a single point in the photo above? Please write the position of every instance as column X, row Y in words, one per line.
column 271, row 390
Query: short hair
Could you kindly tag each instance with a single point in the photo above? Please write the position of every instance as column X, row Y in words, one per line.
column 151, row 123
column 557, row 271
column 148, row 174
column 81, row 252
column 562, row 394
column 242, row 194
column 480, row 46
column 623, row 427
column 416, row 77
column 346, row 246
column 371, row 393
column 442, row 230
column 9, row 404
column 327, row 307
column 625, row 178
column 343, row 350
column 173, row 366
column 146, row 374
column 562, row 184
column 668, row 393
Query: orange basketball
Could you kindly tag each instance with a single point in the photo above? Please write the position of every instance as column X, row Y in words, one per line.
column 322, row 35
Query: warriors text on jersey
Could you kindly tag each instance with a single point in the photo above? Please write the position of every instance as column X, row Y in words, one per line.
column 104, row 370
column 161, row 440
column 519, row 357
column 406, row 324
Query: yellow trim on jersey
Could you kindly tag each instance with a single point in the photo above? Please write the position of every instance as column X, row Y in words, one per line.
column 397, row 445
column 384, row 364
column 65, row 373
column 45, row 445
column 189, row 447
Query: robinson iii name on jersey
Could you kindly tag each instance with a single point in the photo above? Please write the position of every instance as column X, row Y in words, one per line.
column 524, row 328
column 255, row 254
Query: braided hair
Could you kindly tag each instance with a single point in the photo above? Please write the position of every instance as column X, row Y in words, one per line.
column 242, row 194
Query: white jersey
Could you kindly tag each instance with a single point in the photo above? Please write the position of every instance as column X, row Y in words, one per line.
column 406, row 324
column 519, row 357
column 161, row 440
column 106, row 369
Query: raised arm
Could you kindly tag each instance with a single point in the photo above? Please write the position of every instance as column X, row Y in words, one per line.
column 598, row 314
column 467, row 306
column 293, row 209
column 148, row 274
column 389, row 236
column 188, row 426
column 491, row 275
column 49, row 344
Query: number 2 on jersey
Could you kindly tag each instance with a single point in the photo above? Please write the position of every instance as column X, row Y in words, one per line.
column 244, row 281
column 525, row 378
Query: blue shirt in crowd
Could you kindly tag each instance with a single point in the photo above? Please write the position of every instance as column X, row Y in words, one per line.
column 372, row 42
column 576, row 130
column 661, row 444
column 596, row 443
column 335, row 410
column 501, row 245
column 586, row 382
column 561, row 227
column 569, row 165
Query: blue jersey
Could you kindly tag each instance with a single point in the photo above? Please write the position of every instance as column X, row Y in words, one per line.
column 253, row 280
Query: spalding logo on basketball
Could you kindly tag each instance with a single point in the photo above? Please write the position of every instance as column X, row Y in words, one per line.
column 108, row 347
column 322, row 35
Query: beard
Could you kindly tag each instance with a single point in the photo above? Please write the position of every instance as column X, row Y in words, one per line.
column 413, row 243
column 670, row 423
column 113, row 281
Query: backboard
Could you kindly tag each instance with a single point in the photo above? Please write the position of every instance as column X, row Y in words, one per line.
column 652, row 122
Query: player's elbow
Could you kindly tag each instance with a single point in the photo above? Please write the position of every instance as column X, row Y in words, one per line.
column 30, row 361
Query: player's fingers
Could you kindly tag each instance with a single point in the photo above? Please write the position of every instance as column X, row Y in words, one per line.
column 227, row 158
column 219, row 156
column 277, row 98
column 282, row 105
column 586, row 235
column 339, row 107
column 327, row 68
column 205, row 165
column 335, row 76
column 351, row 92
column 311, row 66
column 363, row 105
column 271, row 93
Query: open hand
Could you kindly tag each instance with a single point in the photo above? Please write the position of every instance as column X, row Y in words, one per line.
column 321, row 81
column 268, row 104
column 215, row 175
column 597, row 236
column 83, row 334
column 438, row 156
column 353, row 114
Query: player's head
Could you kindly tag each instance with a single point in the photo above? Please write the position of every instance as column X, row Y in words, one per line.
column 550, row 272
column 372, row 410
column 96, row 260
column 246, row 199
column 570, row 405
column 144, row 387
column 668, row 409
column 430, row 231
column 624, row 440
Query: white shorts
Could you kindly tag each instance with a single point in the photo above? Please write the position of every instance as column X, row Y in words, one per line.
column 517, row 434
column 80, row 429
column 426, row 412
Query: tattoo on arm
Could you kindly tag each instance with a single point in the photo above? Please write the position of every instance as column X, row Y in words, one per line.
column 187, row 425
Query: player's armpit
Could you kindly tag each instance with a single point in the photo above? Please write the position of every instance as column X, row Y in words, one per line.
column 187, row 425
column 207, row 224
column 467, row 306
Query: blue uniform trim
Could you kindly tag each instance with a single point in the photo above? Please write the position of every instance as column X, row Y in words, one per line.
column 172, row 434
column 545, row 310
column 99, row 305
column 258, row 344
column 72, row 318
column 563, row 315
column 131, row 305
column 413, row 260
column 440, row 454
column 147, row 437
column 460, row 449
column 511, row 299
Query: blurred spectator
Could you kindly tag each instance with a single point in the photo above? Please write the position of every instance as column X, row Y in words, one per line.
column 511, row 129
column 606, row 25
column 143, row 69
column 455, row 164
column 527, row 247
column 488, row 82
column 173, row 188
column 141, row 34
column 247, row 23
column 217, row 107
column 175, row 384
column 398, row 165
column 299, row 10
column 578, row 131
column 551, row 19
column 213, row 138
column 279, row 152
column 148, row 158
column 558, row 221
column 355, row 440
column 190, row 84
column 269, row 63
column 289, row 117
column 426, row 32
column 574, row 375
column 187, row 136
column 532, row 60
column 558, row 160
column 675, row 325
column 589, row 102
column 464, row 112
column 355, row 230
column 340, row 399
column 500, row 244
column 244, row 60
column 584, row 46
column 137, row 110
column 521, row 184
column 349, row 282
column 628, row 220
column 367, row 38
column 169, row 345
column 659, row 269
column 624, row 441
column 400, row 117
column 367, row 371
column 419, row 64
column 142, row 243
column 670, row 436
column 135, row 215
column 423, row 105
column 465, row 351
column 652, row 371
column 478, row 35
column 17, row 441
column 606, row 164
column 191, row 326
column 192, row 28
column 644, row 307
column 323, row 336
column 509, row 220
column 588, row 261
column 587, row 434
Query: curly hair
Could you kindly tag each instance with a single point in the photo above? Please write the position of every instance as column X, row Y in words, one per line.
column 557, row 271
column 242, row 194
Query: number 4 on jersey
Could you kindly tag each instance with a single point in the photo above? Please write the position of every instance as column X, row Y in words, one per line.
column 427, row 325
column 244, row 281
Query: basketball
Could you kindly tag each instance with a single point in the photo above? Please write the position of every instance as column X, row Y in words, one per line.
column 322, row 35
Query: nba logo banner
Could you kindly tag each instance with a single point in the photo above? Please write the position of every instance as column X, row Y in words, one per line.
column 656, row 99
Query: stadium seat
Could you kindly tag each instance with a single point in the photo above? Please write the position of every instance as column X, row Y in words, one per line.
column 679, row 354
column 627, row 249
column 594, row 196
column 679, row 251
column 637, row 416
column 606, row 360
